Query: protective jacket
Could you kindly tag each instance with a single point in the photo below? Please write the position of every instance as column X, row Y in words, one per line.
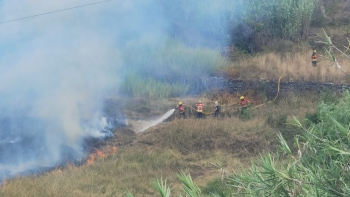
column 181, row 108
column 244, row 102
column 314, row 57
column 199, row 107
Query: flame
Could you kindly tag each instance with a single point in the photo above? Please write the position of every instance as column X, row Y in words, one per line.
column 114, row 149
column 98, row 154
column 95, row 155
column 56, row 171
column 111, row 150
column 90, row 159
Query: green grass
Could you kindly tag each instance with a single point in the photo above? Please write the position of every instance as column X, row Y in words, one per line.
column 138, row 86
column 167, row 69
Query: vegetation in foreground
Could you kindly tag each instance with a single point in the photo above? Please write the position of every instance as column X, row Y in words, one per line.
column 194, row 147
column 319, row 165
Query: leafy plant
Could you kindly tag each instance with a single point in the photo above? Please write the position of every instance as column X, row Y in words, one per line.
column 128, row 194
column 190, row 188
column 318, row 167
column 266, row 20
column 331, row 51
column 140, row 87
column 162, row 188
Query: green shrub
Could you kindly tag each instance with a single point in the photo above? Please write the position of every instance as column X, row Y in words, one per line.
column 140, row 87
column 318, row 167
column 311, row 118
column 328, row 96
column 170, row 61
column 167, row 69
column 267, row 20
column 246, row 115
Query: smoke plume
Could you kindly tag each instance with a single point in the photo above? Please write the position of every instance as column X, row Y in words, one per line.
column 56, row 69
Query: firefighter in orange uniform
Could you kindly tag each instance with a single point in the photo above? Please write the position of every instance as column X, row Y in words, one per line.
column 244, row 103
column 181, row 109
column 199, row 109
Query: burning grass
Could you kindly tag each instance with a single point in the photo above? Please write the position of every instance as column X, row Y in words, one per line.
column 192, row 146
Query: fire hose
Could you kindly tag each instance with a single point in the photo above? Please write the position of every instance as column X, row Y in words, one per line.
column 196, row 110
column 278, row 90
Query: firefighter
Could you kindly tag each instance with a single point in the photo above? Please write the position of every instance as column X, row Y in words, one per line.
column 314, row 57
column 244, row 104
column 181, row 109
column 217, row 110
column 199, row 109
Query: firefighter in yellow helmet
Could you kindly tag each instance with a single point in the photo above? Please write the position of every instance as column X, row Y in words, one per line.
column 181, row 109
column 244, row 104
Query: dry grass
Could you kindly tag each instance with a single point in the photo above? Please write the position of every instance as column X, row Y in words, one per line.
column 240, row 138
column 189, row 145
column 293, row 66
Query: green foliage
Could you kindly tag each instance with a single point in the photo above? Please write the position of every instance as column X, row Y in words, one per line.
column 246, row 114
column 170, row 60
column 311, row 118
column 328, row 96
column 266, row 20
column 165, row 69
column 162, row 188
column 217, row 188
column 318, row 167
column 151, row 88
column 190, row 188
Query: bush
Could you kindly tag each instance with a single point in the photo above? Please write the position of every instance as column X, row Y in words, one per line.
column 170, row 61
column 166, row 70
column 138, row 86
column 267, row 20
column 311, row 118
column 318, row 167
column 328, row 96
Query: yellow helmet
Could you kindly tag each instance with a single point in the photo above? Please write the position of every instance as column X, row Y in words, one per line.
column 199, row 101
column 314, row 51
column 242, row 97
column 180, row 103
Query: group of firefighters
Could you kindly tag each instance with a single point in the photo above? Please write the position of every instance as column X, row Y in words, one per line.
column 199, row 108
column 243, row 101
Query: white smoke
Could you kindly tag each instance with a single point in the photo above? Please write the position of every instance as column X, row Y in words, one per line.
column 56, row 69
